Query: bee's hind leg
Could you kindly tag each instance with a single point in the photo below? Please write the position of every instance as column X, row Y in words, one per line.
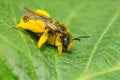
column 59, row 45
column 43, row 39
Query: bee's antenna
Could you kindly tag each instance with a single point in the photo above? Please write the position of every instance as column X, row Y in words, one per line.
column 78, row 38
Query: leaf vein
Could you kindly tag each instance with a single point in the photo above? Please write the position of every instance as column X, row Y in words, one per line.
column 109, row 70
column 56, row 66
column 100, row 38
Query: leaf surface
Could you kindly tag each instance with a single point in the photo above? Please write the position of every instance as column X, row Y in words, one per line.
column 94, row 58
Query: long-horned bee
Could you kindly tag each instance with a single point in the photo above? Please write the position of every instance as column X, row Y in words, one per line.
column 50, row 31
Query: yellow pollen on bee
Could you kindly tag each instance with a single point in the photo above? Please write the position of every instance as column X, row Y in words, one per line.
column 36, row 26
column 42, row 12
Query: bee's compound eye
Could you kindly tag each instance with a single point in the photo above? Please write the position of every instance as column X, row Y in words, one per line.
column 65, row 42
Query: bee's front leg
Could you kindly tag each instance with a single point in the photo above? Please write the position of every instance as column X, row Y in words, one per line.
column 43, row 39
column 59, row 45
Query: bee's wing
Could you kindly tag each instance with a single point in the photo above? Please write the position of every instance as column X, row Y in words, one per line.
column 45, row 19
column 52, row 26
column 36, row 16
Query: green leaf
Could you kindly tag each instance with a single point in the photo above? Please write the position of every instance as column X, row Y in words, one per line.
column 94, row 58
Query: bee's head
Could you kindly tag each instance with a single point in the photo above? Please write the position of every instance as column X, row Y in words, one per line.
column 68, row 41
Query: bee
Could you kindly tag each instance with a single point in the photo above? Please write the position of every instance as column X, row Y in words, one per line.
column 50, row 31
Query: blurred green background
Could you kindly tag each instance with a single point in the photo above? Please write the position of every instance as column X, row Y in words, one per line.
column 95, row 58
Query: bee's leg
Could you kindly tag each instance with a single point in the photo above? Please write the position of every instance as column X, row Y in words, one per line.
column 43, row 39
column 59, row 45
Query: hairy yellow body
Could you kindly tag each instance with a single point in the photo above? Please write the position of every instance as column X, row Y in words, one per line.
column 48, row 35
